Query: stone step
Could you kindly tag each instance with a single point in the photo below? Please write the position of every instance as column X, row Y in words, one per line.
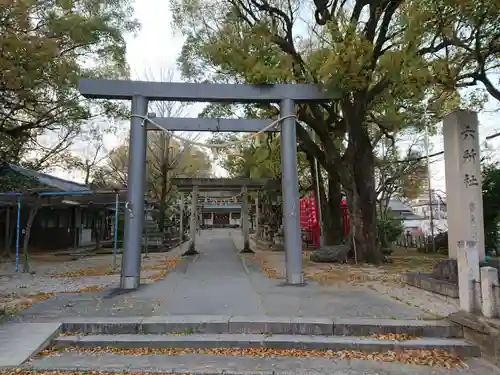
column 20, row 343
column 262, row 324
column 152, row 240
column 239, row 365
column 456, row 347
column 152, row 229
column 153, row 235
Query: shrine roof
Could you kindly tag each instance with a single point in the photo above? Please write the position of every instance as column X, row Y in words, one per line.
column 226, row 184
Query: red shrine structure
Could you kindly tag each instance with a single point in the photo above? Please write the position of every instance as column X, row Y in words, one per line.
column 309, row 218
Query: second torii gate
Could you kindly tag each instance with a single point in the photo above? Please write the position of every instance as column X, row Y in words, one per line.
column 236, row 185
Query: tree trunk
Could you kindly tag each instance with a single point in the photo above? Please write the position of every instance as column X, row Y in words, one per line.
column 97, row 232
column 331, row 214
column 163, row 200
column 359, row 176
column 362, row 203
column 98, row 229
column 8, row 232
column 27, row 233
column 333, row 225
column 164, row 182
column 87, row 175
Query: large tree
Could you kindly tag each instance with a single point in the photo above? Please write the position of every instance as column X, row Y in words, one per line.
column 470, row 32
column 163, row 149
column 379, row 56
column 184, row 160
column 399, row 173
column 491, row 206
column 47, row 46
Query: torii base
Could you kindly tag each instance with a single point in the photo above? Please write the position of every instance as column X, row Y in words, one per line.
column 190, row 251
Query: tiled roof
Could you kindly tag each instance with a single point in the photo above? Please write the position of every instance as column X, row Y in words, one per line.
column 51, row 182
column 222, row 206
column 396, row 205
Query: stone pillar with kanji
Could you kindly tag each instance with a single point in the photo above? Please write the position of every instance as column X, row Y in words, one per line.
column 464, row 203
column 463, row 181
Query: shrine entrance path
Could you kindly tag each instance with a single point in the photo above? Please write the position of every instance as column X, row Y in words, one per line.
column 220, row 281
column 211, row 283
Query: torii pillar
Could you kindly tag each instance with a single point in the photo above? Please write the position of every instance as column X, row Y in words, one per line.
column 257, row 213
column 245, row 221
column 181, row 219
column 134, row 215
column 193, row 222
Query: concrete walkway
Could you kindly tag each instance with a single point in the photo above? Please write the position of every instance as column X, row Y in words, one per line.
column 220, row 281
column 211, row 283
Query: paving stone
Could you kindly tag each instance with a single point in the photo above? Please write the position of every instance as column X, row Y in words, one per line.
column 217, row 284
column 281, row 325
column 185, row 324
column 336, row 343
column 19, row 341
column 423, row 328
column 196, row 341
column 104, row 325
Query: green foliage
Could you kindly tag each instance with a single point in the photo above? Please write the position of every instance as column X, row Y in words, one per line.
column 386, row 63
column 491, row 207
column 260, row 158
column 469, row 28
column 47, row 46
column 189, row 161
column 12, row 182
column 399, row 174
column 390, row 228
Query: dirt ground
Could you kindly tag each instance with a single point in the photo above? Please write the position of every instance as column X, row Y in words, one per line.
column 52, row 274
column 384, row 279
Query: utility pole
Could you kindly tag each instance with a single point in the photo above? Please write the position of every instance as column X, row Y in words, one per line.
column 429, row 190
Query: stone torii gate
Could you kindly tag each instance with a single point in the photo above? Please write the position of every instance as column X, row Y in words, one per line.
column 140, row 93
column 236, row 185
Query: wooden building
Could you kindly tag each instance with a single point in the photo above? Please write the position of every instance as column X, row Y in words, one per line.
column 69, row 214
column 221, row 215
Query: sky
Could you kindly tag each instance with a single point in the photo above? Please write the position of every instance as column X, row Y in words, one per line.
column 156, row 46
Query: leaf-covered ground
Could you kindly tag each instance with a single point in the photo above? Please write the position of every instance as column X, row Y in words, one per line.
column 54, row 275
column 385, row 279
column 435, row 358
